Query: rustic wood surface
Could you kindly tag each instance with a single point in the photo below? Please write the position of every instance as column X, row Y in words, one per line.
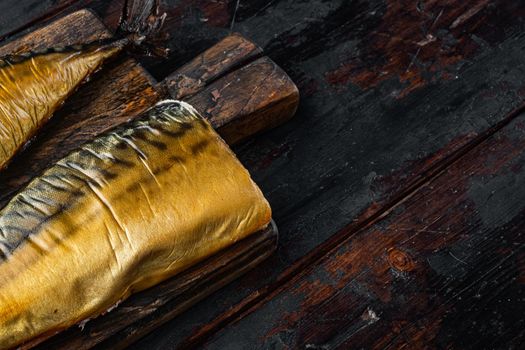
column 442, row 267
column 404, row 119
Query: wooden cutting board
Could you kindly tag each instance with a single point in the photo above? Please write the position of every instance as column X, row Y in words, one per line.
column 233, row 84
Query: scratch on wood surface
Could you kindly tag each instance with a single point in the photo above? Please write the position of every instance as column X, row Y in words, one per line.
column 456, row 258
column 234, row 14
column 469, row 14
column 484, row 275
column 428, row 37
column 256, row 88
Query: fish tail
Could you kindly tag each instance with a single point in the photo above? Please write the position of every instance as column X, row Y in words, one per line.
column 141, row 23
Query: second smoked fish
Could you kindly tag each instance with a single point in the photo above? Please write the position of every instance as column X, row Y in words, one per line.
column 33, row 86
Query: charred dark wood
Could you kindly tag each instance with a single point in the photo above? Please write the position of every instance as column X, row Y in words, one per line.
column 438, row 270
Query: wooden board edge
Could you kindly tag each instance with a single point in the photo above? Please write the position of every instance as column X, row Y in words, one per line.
column 268, row 116
column 242, row 92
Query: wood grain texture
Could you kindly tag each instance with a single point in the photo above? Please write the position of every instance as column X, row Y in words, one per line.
column 237, row 90
column 83, row 23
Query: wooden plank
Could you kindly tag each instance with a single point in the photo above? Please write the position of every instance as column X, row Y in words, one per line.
column 119, row 92
column 442, row 269
column 83, row 23
column 240, row 92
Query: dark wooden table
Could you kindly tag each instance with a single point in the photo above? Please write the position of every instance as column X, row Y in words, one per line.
column 399, row 187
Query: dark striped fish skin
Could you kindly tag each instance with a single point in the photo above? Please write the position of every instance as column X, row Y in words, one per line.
column 34, row 85
column 124, row 212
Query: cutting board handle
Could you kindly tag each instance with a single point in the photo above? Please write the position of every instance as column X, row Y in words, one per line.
column 241, row 91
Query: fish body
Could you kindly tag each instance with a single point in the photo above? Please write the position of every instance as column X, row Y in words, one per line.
column 34, row 85
column 135, row 206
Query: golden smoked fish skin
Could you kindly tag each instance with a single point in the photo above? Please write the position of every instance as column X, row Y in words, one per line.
column 33, row 86
column 124, row 212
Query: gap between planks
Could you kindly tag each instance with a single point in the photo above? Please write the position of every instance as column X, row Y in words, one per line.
column 318, row 254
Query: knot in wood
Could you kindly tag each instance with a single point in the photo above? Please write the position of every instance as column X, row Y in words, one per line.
column 400, row 260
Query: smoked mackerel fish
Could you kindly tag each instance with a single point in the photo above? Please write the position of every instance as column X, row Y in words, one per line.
column 134, row 207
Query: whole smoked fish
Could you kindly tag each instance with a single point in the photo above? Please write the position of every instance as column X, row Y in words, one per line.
column 133, row 207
